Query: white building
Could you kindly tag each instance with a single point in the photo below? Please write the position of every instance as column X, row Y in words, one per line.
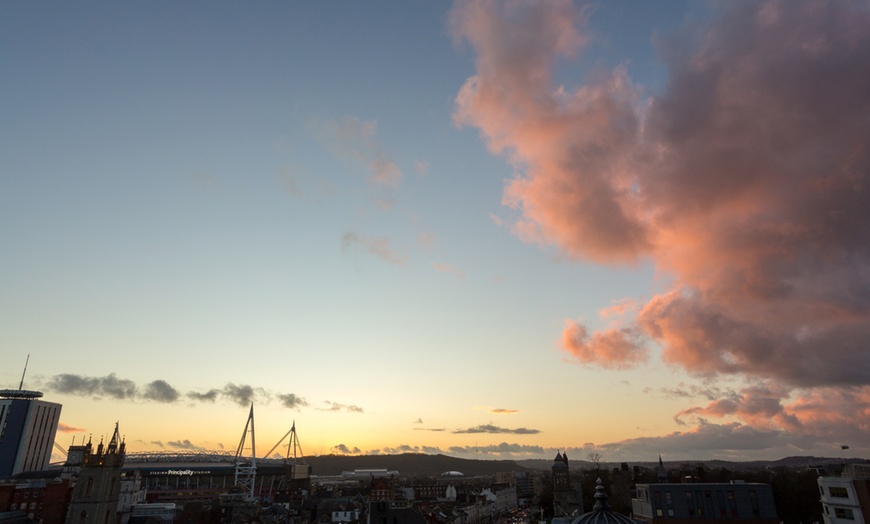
column 846, row 499
column 27, row 430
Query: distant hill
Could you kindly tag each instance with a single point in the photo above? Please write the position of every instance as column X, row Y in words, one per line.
column 410, row 464
column 787, row 462
column 422, row 465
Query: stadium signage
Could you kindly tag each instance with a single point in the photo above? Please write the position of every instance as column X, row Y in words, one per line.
column 184, row 472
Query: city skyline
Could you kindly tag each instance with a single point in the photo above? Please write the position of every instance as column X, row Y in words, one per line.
column 486, row 229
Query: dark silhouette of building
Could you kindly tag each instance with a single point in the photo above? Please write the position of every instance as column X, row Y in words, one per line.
column 41, row 500
column 566, row 499
column 96, row 493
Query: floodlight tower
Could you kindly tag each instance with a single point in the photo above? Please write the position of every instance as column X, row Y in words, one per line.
column 246, row 469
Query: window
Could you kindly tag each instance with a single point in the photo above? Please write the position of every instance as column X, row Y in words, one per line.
column 838, row 492
column 753, row 501
column 657, row 502
column 844, row 513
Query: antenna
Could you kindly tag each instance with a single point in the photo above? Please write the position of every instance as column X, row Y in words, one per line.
column 21, row 384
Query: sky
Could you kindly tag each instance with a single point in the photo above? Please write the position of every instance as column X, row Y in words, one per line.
column 484, row 229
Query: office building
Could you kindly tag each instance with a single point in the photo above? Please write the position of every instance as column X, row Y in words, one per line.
column 28, row 427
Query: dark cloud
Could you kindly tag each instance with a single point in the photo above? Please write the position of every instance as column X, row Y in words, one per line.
column 335, row 406
column 184, row 444
column 242, row 395
column 109, row 386
column 345, row 450
column 430, row 429
column 706, row 437
column 401, row 448
column 292, row 401
column 209, row 396
column 489, row 428
column 683, row 390
column 160, row 391
column 503, row 411
column 503, row 449
column 158, row 443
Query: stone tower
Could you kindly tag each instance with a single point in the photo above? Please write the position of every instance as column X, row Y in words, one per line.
column 95, row 496
column 566, row 499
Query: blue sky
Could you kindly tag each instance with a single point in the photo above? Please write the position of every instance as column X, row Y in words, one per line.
column 284, row 197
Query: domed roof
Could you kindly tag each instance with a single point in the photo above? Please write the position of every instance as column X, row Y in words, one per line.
column 601, row 512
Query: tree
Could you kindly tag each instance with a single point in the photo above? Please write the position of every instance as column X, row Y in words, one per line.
column 595, row 458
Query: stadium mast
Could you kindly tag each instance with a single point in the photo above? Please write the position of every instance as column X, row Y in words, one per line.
column 246, row 470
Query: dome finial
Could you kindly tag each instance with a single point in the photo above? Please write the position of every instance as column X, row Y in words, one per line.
column 602, row 513
column 600, row 497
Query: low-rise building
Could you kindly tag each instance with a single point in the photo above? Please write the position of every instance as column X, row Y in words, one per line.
column 710, row 501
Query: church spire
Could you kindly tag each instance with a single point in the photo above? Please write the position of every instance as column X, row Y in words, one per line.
column 662, row 473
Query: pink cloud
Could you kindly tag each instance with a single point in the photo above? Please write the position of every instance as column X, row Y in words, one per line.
column 380, row 247
column 572, row 146
column 449, row 269
column 356, row 140
column 747, row 180
column 66, row 428
column 614, row 348
column 813, row 416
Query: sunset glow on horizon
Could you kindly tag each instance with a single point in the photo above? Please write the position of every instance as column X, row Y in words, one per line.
column 491, row 229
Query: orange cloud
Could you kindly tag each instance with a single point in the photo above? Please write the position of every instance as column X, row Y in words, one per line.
column 576, row 147
column 66, row 428
column 614, row 348
column 813, row 417
column 450, row 269
column 747, row 180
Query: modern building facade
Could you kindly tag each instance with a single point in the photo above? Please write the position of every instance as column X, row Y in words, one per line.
column 28, row 427
column 846, row 499
column 710, row 502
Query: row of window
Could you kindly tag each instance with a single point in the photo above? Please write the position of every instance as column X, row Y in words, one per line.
column 23, row 506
